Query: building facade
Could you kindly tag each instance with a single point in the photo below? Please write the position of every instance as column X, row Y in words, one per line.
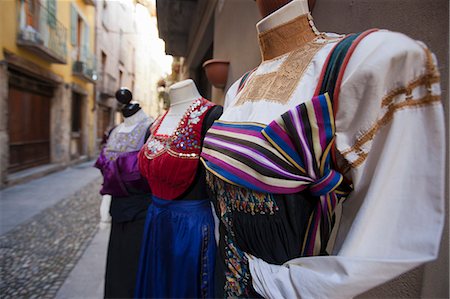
column 199, row 30
column 47, row 78
column 115, row 52
column 151, row 61
column 129, row 54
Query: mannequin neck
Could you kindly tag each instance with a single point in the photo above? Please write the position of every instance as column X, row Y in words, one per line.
column 135, row 118
column 130, row 109
column 183, row 92
column 285, row 30
column 181, row 95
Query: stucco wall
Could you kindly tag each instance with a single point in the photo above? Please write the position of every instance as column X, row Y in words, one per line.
column 422, row 20
column 235, row 40
column 60, row 128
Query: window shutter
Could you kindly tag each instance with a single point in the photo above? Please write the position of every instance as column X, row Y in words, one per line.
column 73, row 25
column 85, row 42
column 51, row 9
column 86, row 35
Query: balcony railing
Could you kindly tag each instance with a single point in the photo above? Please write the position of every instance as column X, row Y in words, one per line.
column 85, row 65
column 108, row 85
column 40, row 32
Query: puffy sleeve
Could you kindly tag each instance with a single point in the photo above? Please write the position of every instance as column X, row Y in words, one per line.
column 390, row 132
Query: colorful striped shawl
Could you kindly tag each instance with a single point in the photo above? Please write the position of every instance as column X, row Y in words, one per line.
column 289, row 155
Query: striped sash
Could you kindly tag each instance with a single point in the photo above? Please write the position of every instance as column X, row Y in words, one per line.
column 291, row 154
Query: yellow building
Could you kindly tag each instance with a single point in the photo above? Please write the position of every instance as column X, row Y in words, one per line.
column 47, row 78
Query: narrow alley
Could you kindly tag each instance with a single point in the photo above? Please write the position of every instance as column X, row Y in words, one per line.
column 50, row 244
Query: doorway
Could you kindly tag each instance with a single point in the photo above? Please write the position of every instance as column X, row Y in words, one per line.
column 77, row 148
column 29, row 102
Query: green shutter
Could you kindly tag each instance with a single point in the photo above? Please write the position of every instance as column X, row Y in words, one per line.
column 85, row 42
column 51, row 9
column 86, row 35
column 73, row 25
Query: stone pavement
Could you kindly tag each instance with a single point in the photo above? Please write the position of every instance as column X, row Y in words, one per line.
column 50, row 245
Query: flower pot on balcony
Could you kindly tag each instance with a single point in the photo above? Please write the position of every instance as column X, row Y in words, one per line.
column 217, row 72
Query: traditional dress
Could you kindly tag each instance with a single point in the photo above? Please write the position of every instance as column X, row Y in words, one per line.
column 178, row 249
column 302, row 148
column 130, row 199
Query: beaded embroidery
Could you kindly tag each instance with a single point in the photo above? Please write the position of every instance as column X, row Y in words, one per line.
column 185, row 141
column 234, row 198
column 121, row 142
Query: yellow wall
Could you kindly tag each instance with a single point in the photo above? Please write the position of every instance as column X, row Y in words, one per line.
column 9, row 16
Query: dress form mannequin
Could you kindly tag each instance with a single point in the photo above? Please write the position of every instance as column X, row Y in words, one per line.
column 132, row 114
column 179, row 229
column 126, row 196
column 129, row 123
column 388, row 83
column 181, row 95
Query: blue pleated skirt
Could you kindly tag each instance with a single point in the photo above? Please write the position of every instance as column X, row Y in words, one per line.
column 178, row 250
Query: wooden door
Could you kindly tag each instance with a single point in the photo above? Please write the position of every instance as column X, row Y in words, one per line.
column 76, row 145
column 103, row 122
column 28, row 128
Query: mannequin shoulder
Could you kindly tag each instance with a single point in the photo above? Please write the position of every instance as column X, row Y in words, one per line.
column 213, row 114
column 397, row 42
column 392, row 54
column 116, row 129
column 387, row 72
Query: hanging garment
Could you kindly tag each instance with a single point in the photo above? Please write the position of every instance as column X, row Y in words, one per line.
column 178, row 249
column 308, row 184
column 130, row 199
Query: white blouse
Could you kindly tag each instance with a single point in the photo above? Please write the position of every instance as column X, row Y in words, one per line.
column 390, row 131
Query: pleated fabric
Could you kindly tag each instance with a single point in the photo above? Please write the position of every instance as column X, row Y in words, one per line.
column 178, row 250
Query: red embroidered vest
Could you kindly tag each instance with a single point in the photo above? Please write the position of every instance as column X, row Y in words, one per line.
column 169, row 162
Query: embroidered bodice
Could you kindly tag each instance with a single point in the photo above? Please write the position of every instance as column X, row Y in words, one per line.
column 170, row 162
column 118, row 160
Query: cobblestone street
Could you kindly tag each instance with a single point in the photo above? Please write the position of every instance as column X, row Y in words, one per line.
column 38, row 255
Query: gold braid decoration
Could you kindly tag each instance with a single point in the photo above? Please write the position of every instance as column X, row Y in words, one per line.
column 430, row 77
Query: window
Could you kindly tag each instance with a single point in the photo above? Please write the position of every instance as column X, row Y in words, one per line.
column 77, row 102
column 79, row 34
column 51, row 6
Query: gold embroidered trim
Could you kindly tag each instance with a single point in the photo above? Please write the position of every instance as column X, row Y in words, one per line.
column 430, row 77
column 387, row 117
column 278, row 86
column 285, row 37
column 427, row 80
column 430, row 65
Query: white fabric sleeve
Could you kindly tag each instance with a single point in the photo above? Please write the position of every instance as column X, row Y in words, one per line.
column 390, row 130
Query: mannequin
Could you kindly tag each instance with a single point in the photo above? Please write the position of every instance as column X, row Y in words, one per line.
column 181, row 95
column 132, row 114
column 126, row 196
column 302, row 163
column 178, row 250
